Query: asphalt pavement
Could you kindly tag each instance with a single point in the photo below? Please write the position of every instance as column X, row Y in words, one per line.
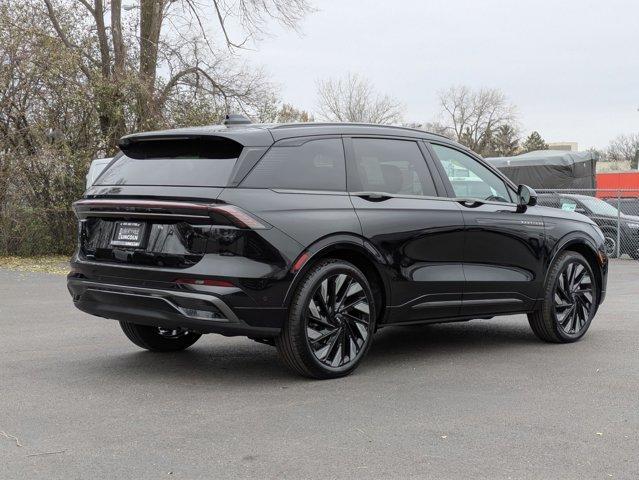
column 481, row 399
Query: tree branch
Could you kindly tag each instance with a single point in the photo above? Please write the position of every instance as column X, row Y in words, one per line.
column 222, row 23
column 88, row 6
column 63, row 37
column 174, row 80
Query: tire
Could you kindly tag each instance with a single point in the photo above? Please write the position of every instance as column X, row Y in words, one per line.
column 331, row 321
column 157, row 339
column 571, row 294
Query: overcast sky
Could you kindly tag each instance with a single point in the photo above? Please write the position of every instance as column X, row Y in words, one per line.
column 570, row 66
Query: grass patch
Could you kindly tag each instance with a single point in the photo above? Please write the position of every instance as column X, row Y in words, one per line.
column 54, row 264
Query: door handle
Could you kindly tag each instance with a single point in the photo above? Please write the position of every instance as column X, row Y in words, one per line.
column 470, row 203
column 373, row 196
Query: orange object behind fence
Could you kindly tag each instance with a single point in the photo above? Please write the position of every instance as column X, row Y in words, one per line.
column 624, row 184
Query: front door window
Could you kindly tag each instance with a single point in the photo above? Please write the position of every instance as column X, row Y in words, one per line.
column 470, row 179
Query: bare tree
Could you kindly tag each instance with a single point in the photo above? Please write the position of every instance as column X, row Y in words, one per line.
column 624, row 148
column 353, row 99
column 431, row 127
column 75, row 75
column 122, row 58
column 289, row 114
column 475, row 115
column 271, row 110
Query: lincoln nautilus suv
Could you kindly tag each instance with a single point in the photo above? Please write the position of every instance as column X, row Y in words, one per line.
column 311, row 237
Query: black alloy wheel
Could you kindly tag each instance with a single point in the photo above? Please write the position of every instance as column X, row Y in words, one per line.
column 331, row 321
column 571, row 296
column 574, row 297
column 338, row 320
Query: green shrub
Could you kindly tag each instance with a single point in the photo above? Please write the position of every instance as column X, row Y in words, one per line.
column 26, row 231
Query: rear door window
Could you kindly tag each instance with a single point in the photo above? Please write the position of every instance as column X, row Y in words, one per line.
column 314, row 165
column 390, row 166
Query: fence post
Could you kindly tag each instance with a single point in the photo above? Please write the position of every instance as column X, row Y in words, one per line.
column 618, row 223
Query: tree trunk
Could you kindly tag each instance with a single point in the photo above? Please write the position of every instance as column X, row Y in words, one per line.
column 151, row 16
column 119, row 50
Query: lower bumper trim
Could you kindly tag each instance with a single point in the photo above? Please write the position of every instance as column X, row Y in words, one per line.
column 162, row 308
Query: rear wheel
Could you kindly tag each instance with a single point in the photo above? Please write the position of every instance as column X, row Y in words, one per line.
column 159, row 339
column 331, row 321
column 570, row 301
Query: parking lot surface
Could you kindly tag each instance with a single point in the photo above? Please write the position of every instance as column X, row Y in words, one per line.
column 481, row 399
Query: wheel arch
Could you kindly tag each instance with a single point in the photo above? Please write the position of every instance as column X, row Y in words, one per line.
column 584, row 247
column 360, row 253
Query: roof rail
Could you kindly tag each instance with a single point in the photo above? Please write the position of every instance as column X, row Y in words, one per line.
column 354, row 124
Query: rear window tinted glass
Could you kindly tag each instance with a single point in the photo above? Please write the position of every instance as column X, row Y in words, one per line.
column 390, row 166
column 314, row 165
column 187, row 172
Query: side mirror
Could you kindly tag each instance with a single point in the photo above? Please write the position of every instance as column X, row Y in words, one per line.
column 526, row 197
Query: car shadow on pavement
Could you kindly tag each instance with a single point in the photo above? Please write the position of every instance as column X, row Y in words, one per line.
column 474, row 338
column 241, row 361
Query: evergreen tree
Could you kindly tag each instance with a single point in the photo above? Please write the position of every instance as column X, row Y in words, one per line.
column 505, row 141
column 534, row 142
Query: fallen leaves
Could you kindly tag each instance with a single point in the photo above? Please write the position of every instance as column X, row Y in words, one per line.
column 53, row 264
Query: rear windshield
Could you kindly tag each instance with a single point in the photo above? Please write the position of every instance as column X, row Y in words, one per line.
column 174, row 162
column 175, row 172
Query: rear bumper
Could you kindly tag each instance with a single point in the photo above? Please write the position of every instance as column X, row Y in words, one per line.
column 202, row 313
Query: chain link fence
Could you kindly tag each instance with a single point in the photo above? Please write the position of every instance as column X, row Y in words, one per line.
column 615, row 211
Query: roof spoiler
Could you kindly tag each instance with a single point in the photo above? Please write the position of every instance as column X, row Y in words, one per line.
column 174, row 146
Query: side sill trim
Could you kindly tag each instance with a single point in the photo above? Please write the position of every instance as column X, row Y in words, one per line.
column 444, row 303
column 466, row 303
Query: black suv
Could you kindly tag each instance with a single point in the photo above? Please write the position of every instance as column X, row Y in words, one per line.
column 311, row 237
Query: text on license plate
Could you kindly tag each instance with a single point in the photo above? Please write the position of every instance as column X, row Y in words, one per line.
column 128, row 234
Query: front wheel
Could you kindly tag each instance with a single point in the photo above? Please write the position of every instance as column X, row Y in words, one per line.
column 331, row 321
column 158, row 339
column 570, row 301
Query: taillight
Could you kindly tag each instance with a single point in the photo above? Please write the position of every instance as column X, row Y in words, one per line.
column 239, row 217
column 170, row 209
column 209, row 282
